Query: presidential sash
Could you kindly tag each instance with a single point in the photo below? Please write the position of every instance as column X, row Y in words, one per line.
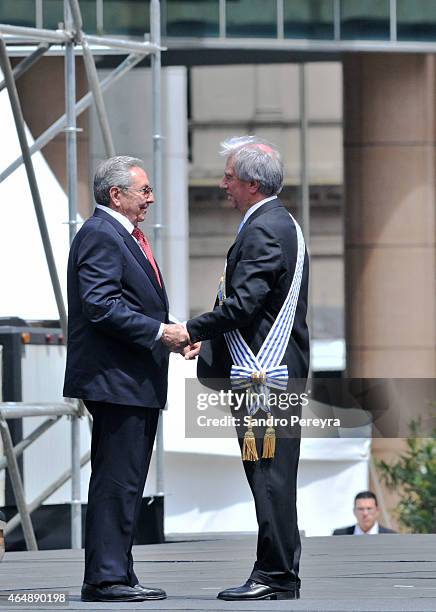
column 258, row 373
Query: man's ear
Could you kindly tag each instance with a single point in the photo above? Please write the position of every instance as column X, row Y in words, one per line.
column 253, row 187
column 114, row 193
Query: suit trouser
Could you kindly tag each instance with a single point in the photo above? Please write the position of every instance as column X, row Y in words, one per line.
column 273, row 483
column 121, row 447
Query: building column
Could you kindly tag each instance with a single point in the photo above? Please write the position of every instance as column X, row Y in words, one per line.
column 390, row 255
column 390, row 228
column 175, row 201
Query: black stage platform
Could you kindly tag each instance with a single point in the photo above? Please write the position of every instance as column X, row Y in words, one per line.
column 345, row 573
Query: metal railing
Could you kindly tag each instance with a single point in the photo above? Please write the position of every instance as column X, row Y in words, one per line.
column 74, row 40
column 54, row 412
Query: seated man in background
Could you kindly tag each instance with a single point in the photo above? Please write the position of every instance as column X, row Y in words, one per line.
column 366, row 512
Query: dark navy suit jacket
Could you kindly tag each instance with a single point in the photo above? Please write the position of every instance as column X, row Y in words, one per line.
column 115, row 307
column 350, row 530
column 259, row 272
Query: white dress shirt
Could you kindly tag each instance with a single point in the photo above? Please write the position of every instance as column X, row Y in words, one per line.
column 125, row 222
column 373, row 531
column 253, row 208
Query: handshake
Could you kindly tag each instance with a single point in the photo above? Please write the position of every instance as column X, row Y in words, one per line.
column 176, row 338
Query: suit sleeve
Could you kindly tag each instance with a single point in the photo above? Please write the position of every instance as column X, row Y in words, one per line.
column 100, row 273
column 257, row 269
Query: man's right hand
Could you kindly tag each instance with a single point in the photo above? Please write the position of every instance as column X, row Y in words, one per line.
column 175, row 337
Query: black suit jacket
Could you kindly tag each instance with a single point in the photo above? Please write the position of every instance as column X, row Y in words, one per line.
column 350, row 530
column 115, row 307
column 259, row 272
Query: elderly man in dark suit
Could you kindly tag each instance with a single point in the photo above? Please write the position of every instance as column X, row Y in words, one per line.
column 119, row 339
column 258, row 329
column 366, row 512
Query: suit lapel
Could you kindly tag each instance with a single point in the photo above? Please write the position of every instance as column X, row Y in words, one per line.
column 137, row 253
column 261, row 211
column 163, row 290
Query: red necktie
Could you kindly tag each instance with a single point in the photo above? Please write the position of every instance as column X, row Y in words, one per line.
column 143, row 243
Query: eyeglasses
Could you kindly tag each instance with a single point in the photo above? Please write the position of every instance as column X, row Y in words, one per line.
column 147, row 190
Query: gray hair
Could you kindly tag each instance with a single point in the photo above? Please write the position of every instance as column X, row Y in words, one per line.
column 255, row 159
column 113, row 172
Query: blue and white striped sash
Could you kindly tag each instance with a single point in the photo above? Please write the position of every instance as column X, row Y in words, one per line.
column 262, row 371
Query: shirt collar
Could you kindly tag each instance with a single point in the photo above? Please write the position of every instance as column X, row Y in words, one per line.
column 253, row 208
column 373, row 531
column 128, row 225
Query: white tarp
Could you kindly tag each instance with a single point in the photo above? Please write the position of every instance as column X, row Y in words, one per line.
column 26, row 287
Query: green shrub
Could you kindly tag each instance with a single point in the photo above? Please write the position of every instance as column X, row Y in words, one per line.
column 413, row 476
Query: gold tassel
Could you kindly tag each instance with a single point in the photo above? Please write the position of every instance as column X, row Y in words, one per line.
column 269, row 442
column 249, row 450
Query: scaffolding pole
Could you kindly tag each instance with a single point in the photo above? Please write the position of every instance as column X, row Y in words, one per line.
column 304, row 175
column 94, row 85
column 19, row 410
column 13, row 410
column 93, row 82
column 71, row 162
column 157, row 180
column 30, row 171
column 80, row 107
column 121, row 44
column 48, row 492
column 27, row 63
column 24, row 34
column 17, row 485
column 304, row 178
column 50, row 36
column 34, row 435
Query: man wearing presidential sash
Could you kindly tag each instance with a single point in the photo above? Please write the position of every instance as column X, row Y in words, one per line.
column 256, row 337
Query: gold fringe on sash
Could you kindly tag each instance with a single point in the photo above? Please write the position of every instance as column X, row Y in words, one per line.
column 269, row 441
column 249, row 450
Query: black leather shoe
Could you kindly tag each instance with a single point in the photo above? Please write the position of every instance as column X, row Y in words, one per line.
column 119, row 592
column 251, row 591
column 154, row 592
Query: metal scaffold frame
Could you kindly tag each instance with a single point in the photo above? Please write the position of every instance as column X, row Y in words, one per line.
column 74, row 41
